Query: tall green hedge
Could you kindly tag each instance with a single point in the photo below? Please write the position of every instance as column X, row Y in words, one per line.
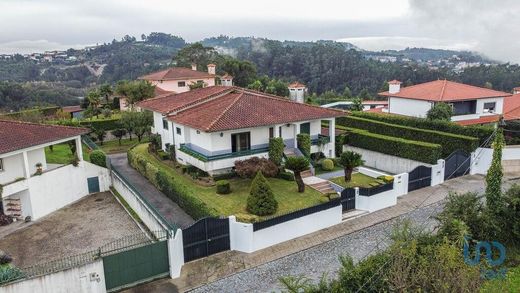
column 413, row 150
column 276, row 147
column 304, row 143
column 108, row 124
column 481, row 132
column 449, row 142
column 176, row 190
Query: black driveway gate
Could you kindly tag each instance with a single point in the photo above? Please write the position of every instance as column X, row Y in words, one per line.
column 420, row 177
column 456, row 164
column 348, row 199
column 206, row 237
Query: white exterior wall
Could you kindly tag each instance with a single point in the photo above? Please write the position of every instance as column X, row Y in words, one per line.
column 244, row 239
column 481, row 159
column 384, row 199
column 384, row 162
column 176, row 254
column 62, row 186
column 13, row 168
column 88, row 278
column 438, row 172
column 172, row 85
column 408, row 107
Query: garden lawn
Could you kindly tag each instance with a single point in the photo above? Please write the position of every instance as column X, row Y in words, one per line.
column 358, row 180
column 510, row 284
column 234, row 203
column 61, row 154
column 113, row 147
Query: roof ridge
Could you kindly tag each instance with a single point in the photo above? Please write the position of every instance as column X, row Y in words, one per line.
column 201, row 101
column 225, row 111
column 441, row 96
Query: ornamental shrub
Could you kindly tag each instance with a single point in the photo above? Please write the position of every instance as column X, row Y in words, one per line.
column 248, row 168
column 449, row 142
column 327, row 165
column 304, row 143
column 261, row 201
column 386, row 178
column 286, row 176
column 276, row 147
column 223, row 187
column 98, row 157
column 409, row 149
column 481, row 132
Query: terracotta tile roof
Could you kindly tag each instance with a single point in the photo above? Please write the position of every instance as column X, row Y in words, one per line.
column 226, row 76
column 512, row 107
column 444, row 90
column 171, row 102
column 159, row 91
column 71, row 109
column 18, row 135
column 176, row 73
column 481, row 120
column 219, row 108
column 296, row 84
column 395, row 81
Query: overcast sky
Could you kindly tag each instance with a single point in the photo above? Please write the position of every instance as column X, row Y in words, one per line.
column 487, row 26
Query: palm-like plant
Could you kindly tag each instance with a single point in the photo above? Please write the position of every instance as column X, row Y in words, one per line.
column 298, row 165
column 349, row 161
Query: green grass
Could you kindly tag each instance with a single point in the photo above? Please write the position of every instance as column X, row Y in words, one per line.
column 113, row 147
column 358, row 180
column 61, row 154
column 285, row 192
column 510, row 284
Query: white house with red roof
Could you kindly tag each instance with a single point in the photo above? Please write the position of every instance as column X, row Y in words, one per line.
column 213, row 127
column 33, row 187
column 179, row 79
column 471, row 104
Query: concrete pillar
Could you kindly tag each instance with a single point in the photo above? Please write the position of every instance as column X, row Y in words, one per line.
column 332, row 135
column 79, row 149
column 357, row 197
column 26, row 169
column 175, row 254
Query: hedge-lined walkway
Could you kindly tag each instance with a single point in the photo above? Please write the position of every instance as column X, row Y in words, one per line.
column 170, row 210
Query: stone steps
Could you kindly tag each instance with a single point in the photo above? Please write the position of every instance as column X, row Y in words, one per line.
column 353, row 214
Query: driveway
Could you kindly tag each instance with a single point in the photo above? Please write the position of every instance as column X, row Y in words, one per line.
column 80, row 227
column 168, row 209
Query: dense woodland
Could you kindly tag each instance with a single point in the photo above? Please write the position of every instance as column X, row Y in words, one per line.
column 325, row 66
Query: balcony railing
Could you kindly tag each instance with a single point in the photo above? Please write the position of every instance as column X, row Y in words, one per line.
column 205, row 158
column 323, row 139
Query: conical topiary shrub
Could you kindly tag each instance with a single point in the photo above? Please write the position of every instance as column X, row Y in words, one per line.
column 261, row 201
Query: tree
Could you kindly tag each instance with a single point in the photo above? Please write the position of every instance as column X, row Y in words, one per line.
column 440, row 111
column 488, row 85
column 195, row 53
column 357, row 105
column 494, row 201
column 119, row 133
column 350, row 160
column 100, row 135
column 261, row 201
column 196, row 85
column 364, row 94
column 298, row 165
column 128, row 123
column 135, row 91
column 347, row 94
column 105, row 90
column 142, row 123
column 243, row 72
column 94, row 101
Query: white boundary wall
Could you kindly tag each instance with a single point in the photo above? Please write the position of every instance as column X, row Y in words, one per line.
column 384, row 199
column 438, row 172
column 384, row 162
column 136, row 203
column 481, row 159
column 176, row 254
column 88, row 278
column 244, row 239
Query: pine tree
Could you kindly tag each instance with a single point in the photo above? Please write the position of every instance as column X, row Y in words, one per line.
column 261, row 201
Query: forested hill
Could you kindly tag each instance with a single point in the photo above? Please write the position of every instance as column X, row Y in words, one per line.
column 322, row 65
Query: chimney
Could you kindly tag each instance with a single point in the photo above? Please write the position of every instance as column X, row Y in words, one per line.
column 194, row 66
column 226, row 80
column 516, row 90
column 394, row 86
column 297, row 92
column 211, row 68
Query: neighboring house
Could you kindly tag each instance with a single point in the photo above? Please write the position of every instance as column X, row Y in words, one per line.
column 512, row 106
column 31, row 186
column 179, row 79
column 297, row 91
column 367, row 105
column 471, row 104
column 213, row 127
column 74, row 111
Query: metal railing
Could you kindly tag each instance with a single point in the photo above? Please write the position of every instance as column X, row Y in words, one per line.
column 205, row 158
column 376, row 189
column 321, row 139
column 88, row 141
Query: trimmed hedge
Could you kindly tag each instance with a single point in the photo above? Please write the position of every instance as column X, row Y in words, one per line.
column 286, row 176
column 327, row 165
column 304, row 143
column 410, row 149
column 481, row 132
column 176, row 190
column 276, row 147
column 449, row 142
column 108, row 124
column 98, row 157
column 223, row 187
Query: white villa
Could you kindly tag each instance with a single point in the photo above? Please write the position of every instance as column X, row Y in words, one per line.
column 31, row 186
column 213, row 127
column 471, row 104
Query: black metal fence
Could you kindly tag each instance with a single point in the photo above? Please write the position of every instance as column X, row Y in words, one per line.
column 296, row 214
column 376, row 189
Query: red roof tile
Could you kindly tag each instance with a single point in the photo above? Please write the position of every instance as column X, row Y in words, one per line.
column 512, row 107
column 481, row 120
column 176, row 73
column 296, row 84
column 244, row 109
column 444, row 90
column 159, row 91
column 18, row 135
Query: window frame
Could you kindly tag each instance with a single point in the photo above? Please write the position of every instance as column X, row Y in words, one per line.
column 165, row 124
column 2, row 165
column 271, row 132
column 484, row 108
column 181, row 82
column 235, row 141
column 178, row 130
